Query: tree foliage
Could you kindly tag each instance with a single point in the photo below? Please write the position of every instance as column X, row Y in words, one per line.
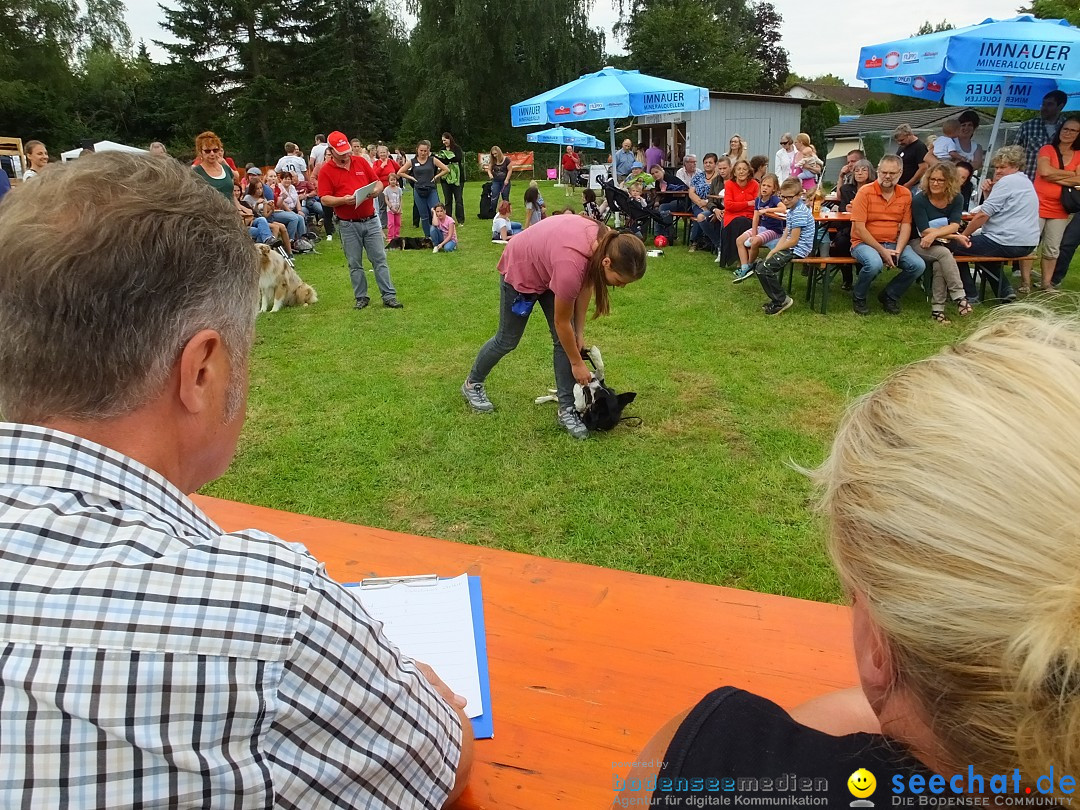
column 1055, row 10
column 933, row 28
column 470, row 61
column 815, row 119
column 733, row 46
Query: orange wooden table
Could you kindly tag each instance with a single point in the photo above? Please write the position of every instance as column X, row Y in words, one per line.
column 587, row 663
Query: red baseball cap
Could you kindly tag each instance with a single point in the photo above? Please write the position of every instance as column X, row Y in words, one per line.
column 338, row 142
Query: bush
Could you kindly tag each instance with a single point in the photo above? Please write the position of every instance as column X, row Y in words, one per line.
column 873, row 147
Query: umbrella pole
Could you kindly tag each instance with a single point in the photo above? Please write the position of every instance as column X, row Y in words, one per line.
column 613, row 176
column 1006, row 87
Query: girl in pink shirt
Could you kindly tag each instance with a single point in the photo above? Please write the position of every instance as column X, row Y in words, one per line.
column 443, row 231
column 560, row 262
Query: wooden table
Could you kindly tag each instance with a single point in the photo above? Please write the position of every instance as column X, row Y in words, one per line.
column 587, row 663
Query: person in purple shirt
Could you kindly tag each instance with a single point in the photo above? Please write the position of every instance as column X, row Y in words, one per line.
column 654, row 156
column 560, row 263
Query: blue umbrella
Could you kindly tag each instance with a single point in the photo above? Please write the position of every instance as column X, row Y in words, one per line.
column 1002, row 63
column 565, row 137
column 610, row 94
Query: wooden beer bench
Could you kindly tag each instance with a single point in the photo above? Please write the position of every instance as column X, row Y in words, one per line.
column 586, row 663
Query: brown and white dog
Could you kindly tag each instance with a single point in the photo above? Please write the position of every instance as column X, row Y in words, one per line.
column 279, row 285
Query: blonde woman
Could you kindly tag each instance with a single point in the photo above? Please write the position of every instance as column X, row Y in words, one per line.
column 737, row 149
column 937, row 216
column 498, row 170
column 965, row 596
column 806, row 166
column 37, row 156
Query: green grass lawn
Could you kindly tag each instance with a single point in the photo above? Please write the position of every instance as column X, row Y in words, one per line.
column 357, row 416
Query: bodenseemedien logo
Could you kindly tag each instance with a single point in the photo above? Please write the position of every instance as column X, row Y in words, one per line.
column 862, row 785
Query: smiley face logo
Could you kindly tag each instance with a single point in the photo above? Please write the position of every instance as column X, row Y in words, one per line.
column 861, row 783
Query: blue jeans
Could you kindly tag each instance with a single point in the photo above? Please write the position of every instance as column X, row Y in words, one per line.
column 984, row 246
column 314, row 208
column 508, row 335
column 437, row 237
column 425, row 204
column 710, row 228
column 294, row 223
column 260, row 230
column 356, row 237
column 871, row 265
column 499, row 187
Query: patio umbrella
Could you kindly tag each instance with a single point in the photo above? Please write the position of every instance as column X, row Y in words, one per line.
column 1002, row 63
column 565, row 137
column 610, row 94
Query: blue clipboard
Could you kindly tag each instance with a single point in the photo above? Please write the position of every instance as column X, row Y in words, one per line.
column 483, row 728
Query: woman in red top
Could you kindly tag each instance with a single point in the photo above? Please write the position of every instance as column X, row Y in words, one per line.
column 740, row 191
column 1058, row 167
column 384, row 166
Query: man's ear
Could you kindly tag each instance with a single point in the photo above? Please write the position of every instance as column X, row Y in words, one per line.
column 203, row 371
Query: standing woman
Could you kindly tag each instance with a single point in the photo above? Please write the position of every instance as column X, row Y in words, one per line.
column 453, row 183
column 740, row 193
column 498, row 169
column 937, row 214
column 561, row 263
column 1058, row 167
column 424, row 171
column 38, row 158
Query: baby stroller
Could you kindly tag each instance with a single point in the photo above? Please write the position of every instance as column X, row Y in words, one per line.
column 635, row 216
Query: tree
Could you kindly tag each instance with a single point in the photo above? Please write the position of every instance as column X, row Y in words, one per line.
column 933, row 28
column 815, row 119
column 735, row 46
column 243, row 55
column 469, row 63
column 1054, row 10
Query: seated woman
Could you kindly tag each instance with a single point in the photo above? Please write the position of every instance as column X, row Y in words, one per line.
column 501, row 227
column 965, row 594
column 862, row 173
column 937, row 215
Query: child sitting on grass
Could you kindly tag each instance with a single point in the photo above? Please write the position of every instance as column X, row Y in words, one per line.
column 501, row 227
column 766, row 226
column 443, row 231
column 534, row 206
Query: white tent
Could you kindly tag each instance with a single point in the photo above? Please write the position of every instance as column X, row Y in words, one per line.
column 101, row 146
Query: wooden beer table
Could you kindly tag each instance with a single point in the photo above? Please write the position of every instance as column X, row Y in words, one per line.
column 587, row 663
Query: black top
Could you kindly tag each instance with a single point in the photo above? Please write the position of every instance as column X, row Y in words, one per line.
column 912, row 155
column 424, row 173
column 848, row 192
column 735, row 744
column 498, row 171
column 922, row 211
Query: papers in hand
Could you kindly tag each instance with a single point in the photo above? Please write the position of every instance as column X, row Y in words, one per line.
column 431, row 620
column 363, row 193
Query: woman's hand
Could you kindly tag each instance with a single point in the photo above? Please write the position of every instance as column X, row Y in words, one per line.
column 926, row 241
column 582, row 375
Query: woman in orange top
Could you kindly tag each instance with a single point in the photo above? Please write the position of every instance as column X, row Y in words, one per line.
column 740, row 192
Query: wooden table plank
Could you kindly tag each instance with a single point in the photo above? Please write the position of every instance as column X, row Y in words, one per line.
column 586, row 662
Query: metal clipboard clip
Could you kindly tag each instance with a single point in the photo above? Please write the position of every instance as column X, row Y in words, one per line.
column 415, row 581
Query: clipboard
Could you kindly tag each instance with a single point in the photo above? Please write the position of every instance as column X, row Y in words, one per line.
column 414, row 646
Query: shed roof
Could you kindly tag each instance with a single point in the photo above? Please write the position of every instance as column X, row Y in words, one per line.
column 886, row 122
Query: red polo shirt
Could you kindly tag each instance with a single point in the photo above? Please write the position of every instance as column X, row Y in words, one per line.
column 337, row 182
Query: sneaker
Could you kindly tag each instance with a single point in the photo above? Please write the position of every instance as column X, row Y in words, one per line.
column 890, row 305
column 275, row 243
column 1010, row 296
column 747, row 244
column 392, row 303
column 361, row 302
column 776, row 309
column 859, row 306
column 718, row 257
column 569, row 419
column 329, row 237
column 692, row 248
column 743, row 273
column 476, row 397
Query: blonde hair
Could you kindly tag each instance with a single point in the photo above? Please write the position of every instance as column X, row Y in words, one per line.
column 802, row 139
column 952, row 182
column 967, row 554
column 497, row 155
column 950, row 127
column 1014, row 156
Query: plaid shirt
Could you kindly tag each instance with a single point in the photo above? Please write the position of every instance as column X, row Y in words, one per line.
column 147, row 659
column 1032, row 136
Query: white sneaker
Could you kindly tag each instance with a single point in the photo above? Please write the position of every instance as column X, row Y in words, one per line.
column 330, row 238
column 717, row 259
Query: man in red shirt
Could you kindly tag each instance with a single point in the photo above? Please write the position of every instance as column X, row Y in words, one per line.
column 359, row 228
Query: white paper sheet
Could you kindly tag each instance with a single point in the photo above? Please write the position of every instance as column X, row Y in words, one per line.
column 363, row 193
column 433, row 624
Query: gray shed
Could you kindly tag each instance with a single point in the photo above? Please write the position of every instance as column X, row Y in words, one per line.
column 760, row 121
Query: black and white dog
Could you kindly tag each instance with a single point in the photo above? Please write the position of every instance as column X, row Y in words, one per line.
column 600, row 407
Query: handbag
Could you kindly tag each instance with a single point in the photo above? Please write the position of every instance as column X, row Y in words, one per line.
column 1070, row 195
